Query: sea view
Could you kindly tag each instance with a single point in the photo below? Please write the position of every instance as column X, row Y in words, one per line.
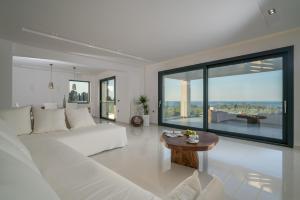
column 172, row 108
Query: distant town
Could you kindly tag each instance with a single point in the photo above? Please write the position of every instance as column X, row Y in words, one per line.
column 172, row 108
column 74, row 96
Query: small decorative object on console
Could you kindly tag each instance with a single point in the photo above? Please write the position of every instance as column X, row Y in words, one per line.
column 137, row 121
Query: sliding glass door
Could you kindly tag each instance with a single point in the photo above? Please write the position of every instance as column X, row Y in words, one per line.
column 248, row 96
column 108, row 98
column 183, row 99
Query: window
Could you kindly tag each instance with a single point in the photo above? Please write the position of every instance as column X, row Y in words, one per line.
column 79, row 92
column 248, row 96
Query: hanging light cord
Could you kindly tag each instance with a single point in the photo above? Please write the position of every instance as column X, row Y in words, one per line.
column 51, row 71
column 74, row 68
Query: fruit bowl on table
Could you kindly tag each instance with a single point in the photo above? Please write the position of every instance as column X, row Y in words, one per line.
column 192, row 136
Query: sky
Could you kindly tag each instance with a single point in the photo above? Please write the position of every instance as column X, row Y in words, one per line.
column 264, row 86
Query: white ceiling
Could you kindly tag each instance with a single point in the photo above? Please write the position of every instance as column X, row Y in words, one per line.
column 154, row 30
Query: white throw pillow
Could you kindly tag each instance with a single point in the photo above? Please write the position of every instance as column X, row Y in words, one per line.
column 189, row 189
column 213, row 191
column 18, row 118
column 80, row 117
column 10, row 136
column 18, row 181
column 49, row 120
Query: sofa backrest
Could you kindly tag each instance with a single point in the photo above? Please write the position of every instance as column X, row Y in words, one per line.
column 20, row 178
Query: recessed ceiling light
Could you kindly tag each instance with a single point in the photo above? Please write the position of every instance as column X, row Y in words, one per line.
column 254, row 70
column 272, row 11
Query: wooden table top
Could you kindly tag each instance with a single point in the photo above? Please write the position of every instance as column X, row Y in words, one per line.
column 206, row 142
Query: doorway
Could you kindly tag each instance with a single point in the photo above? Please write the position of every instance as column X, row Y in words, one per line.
column 108, row 98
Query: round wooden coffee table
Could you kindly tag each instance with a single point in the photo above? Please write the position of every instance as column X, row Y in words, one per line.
column 184, row 153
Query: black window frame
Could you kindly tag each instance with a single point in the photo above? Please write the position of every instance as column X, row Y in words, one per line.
column 80, row 102
column 287, row 53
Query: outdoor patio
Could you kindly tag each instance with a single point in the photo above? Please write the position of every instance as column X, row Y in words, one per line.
column 238, row 126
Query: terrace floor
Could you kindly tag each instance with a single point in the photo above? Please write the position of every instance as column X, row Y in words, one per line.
column 238, row 126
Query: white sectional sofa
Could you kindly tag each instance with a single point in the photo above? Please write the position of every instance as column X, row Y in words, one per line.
column 74, row 176
column 55, row 166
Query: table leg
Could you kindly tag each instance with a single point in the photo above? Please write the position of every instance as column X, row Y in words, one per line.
column 205, row 161
column 186, row 158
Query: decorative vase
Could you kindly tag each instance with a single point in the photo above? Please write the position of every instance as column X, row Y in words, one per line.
column 146, row 119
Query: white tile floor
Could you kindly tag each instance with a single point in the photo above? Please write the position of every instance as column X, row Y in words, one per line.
column 248, row 170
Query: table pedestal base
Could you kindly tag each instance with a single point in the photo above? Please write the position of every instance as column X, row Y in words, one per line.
column 186, row 158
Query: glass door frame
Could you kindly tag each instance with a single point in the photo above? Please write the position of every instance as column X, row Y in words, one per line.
column 100, row 96
column 161, row 74
column 287, row 53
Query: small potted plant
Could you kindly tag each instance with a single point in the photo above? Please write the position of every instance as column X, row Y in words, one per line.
column 143, row 101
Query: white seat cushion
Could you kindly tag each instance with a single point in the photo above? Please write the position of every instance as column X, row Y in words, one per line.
column 89, row 140
column 79, row 118
column 74, row 176
column 49, row 120
column 95, row 139
column 18, row 118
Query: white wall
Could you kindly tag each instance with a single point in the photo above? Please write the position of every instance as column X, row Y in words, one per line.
column 273, row 41
column 130, row 79
column 5, row 73
column 30, row 86
column 129, row 85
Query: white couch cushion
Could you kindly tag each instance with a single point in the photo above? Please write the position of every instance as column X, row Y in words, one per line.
column 74, row 176
column 88, row 140
column 49, row 120
column 18, row 181
column 18, row 118
column 79, row 118
column 94, row 139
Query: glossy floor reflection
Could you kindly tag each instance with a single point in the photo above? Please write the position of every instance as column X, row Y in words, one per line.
column 248, row 170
